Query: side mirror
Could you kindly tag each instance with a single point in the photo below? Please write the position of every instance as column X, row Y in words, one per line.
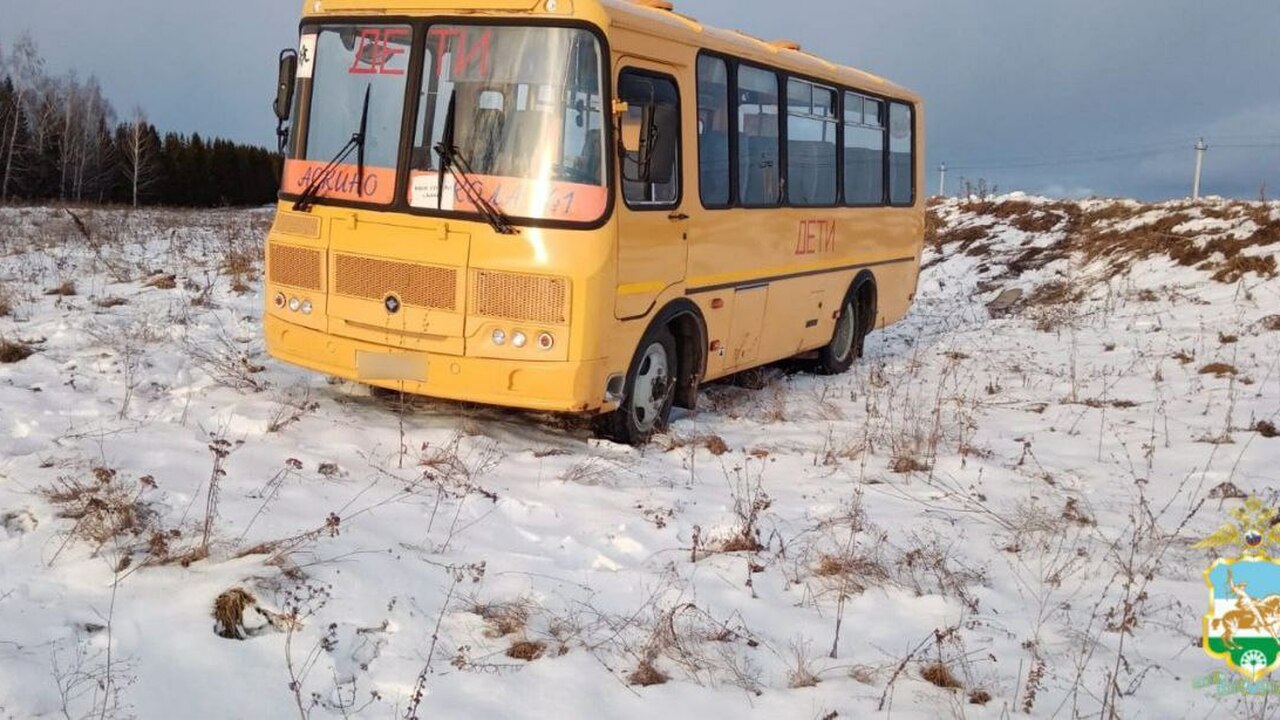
column 285, row 85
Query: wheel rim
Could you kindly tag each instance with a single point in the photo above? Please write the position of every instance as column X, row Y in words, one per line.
column 842, row 345
column 652, row 387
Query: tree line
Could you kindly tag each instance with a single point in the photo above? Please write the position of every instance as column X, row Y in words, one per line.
column 61, row 140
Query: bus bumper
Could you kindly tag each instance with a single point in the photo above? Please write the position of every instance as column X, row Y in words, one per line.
column 570, row 387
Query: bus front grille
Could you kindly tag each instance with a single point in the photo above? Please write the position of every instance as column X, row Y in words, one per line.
column 421, row 286
column 523, row 298
column 295, row 266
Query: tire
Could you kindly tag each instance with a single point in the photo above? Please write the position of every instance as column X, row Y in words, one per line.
column 846, row 342
column 650, row 391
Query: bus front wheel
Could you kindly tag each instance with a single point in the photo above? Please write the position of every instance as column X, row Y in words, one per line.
column 838, row 355
column 650, row 390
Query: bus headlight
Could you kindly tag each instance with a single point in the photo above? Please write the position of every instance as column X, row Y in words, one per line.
column 294, row 304
column 307, row 307
column 519, row 339
column 546, row 341
column 499, row 337
column 281, row 301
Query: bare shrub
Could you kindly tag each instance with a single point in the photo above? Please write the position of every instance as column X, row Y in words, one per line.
column 750, row 501
column 229, row 361
column 290, row 408
column 801, row 674
column 131, row 344
column 503, row 619
column 106, row 509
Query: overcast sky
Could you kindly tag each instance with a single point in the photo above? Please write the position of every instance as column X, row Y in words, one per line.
column 1055, row 96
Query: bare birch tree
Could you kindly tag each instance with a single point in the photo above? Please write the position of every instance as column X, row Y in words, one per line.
column 25, row 68
column 139, row 151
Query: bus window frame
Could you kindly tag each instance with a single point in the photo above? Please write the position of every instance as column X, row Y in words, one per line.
column 680, row 147
column 421, row 27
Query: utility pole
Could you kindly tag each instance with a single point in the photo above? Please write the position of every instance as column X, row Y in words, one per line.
column 1195, row 186
column 942, row 179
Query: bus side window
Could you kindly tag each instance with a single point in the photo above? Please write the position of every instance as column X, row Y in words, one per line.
column 901, row 154
column 759, row 174
column 864, row 143
column 713, row 131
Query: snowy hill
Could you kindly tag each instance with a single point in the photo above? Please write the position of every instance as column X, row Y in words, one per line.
column 991, row 514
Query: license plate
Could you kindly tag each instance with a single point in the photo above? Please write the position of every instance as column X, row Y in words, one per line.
column 391, row 366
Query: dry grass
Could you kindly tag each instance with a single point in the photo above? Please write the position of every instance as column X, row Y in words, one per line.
column 963, row 237
column 503, row 619
column 646, row 675
column 712, row 443
column 66, row 289
column 1218, row 369
column 14, row 352
column 907, row 463
column 527, row 650
column 1266, row 429
column 851, row 573
column 1270, row 323
column 228, row 613
column 162, row 282
column 940, row 675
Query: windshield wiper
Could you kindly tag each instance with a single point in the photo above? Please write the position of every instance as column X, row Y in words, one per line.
column 452, row 162
column 307, row 199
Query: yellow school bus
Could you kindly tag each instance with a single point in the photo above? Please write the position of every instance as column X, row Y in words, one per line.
column 581, row 206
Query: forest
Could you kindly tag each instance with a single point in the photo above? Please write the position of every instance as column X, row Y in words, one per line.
column 62, row 141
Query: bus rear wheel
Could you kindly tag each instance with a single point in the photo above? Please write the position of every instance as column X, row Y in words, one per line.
column 650, row 391
column 838, row 355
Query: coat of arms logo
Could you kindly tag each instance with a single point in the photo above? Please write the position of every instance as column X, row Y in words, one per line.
column 1242, row 627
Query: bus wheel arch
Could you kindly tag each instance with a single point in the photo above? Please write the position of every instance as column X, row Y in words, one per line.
column 684, row 321
column 671, row 348
column 867, row 299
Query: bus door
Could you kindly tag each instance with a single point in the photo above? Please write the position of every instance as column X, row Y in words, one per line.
column 652, row 229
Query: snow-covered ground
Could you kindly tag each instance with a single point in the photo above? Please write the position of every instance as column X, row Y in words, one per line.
column 1000, row 499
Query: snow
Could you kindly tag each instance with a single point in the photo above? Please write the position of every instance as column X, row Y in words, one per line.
column 988, row 493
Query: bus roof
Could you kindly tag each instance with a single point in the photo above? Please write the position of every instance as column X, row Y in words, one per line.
column 660, row 18
column 656, row 18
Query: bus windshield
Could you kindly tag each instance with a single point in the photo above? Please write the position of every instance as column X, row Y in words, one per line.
column 523, row 110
